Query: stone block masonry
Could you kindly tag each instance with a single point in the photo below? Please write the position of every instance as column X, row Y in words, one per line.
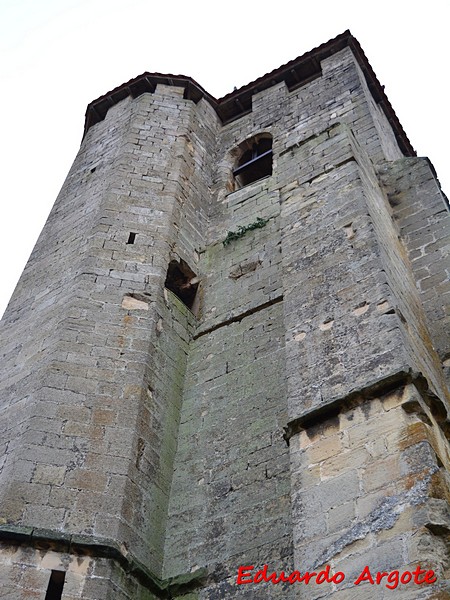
column 200, row 375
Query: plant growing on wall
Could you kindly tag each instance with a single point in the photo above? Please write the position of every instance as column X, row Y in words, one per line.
column 242, row 230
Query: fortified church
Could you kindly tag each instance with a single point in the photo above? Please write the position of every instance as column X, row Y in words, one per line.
column 224, row 364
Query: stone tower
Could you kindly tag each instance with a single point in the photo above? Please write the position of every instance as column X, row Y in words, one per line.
column 227, row 350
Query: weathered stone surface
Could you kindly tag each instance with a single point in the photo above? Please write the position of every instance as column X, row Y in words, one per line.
column 144, row 436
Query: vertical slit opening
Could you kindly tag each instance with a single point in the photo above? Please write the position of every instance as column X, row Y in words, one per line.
column 131, row 238
column 55, row 585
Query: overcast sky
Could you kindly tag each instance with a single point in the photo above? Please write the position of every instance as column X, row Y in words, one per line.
column 59, row 55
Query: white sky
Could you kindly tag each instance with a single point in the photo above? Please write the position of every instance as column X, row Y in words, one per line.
column 59, row 55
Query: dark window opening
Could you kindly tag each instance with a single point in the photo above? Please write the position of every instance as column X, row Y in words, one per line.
column 131, row 238
column 255, row 162
column 55, row 585
column 182, row 281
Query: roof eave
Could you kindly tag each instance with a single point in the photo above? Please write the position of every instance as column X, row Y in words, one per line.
column 295, row 73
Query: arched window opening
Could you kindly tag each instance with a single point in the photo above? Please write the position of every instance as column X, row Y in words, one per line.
column 255, row 161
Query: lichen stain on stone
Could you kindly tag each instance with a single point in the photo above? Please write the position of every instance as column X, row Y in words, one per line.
column 414, row 434
column 381, row 518
column 128, row 320
column 439, row 487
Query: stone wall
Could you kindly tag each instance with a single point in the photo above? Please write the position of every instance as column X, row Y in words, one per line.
column 370, row 487
column 296, row 417
column 90, row 415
